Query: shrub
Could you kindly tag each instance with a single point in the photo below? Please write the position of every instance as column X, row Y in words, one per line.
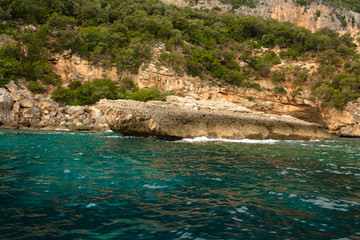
column 278, row 76
column 250, row 99
column 301, row 76
column 272, row 58
column 296, row 92
column 62, row 95
column 88, row 93
column 144, row 95
column 127, row 85
column 235, row 77
column 280, row 89
column 252, row 84
column 74, row 85
column 263, row 68
column 36, row 87
column 194, row 68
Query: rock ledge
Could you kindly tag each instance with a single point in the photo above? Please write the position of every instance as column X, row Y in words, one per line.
column 179, row 118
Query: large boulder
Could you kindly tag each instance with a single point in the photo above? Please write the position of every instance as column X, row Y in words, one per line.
column 171, row 120
column 27, row 103
column 48, row 104
column 347, row 121
column 6, row 105
column 33, row 112
column 19, row 95
column 11, row 87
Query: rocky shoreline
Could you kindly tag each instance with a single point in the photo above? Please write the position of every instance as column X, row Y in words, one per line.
column 24, row 110
column 176, row 118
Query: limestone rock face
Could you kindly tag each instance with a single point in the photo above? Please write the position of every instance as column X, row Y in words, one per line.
column 70, row 67
column 180, row 118
column 265, row 100
column 347, row 121
column 6, row 105
column 313, row 17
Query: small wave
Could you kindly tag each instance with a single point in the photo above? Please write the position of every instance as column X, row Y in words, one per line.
column 62, row 129
column 154, row 186
column 251, row 141
column 340, row 205
column 115, row 136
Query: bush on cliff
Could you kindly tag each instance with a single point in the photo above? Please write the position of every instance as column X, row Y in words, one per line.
column 36, row 87
column 87, row 93
column 10, row 66
column 77, row 93
column 144, row 95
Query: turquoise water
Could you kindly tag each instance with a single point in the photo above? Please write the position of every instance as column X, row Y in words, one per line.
column 76, row 185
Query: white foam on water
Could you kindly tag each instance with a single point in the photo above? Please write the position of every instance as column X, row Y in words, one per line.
column 115, row 136
column 154, row 186
column 251, row 141
column 67, row 171
column 216, row 179
column 340, row 205
column 242, row 209
column 91, row 205
column 237, row 219
column 62, row 129
column 42, row 183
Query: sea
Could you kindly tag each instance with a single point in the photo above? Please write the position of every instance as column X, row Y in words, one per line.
column 87, row 185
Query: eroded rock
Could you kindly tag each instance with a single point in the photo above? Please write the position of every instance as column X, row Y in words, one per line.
column 6, row 105
column 11, row 87
column 19, row 95
column 27, row 103
column 171, row 120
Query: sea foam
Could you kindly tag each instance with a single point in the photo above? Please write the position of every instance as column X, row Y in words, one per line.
column 251, row 141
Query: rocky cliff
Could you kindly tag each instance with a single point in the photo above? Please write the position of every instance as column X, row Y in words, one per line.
column 186, row 118
column 312, row 17
column 266, row 100
column 69, row 67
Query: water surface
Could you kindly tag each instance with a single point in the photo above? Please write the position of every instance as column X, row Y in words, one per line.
column 78, row 185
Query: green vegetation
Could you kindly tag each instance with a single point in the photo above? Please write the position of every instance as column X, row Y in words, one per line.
column 199, row 43
column 35, row 87
column 91, row 92
column 9, row 64
column 87, row 93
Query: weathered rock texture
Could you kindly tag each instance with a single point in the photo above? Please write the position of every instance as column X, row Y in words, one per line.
column 265, row 100
column 182, row 118
column 6, row 105
column 312, row 17
column 347, row 121
column 70, row 67
column 21, row 109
